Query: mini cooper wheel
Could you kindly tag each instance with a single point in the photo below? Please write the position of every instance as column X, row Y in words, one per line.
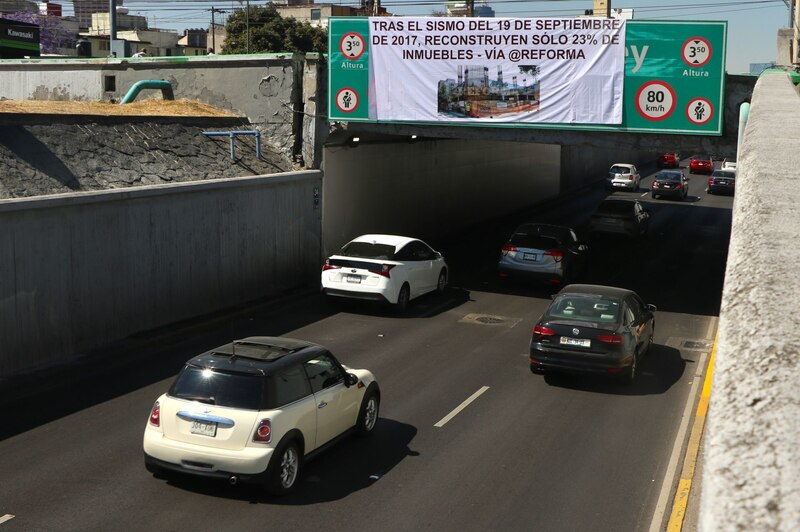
column 285, row 471
column 368, row 416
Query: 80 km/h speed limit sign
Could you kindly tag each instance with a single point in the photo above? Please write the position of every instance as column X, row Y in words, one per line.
column 655, row 100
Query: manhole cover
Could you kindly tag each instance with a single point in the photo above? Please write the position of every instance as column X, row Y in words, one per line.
column 489, row 319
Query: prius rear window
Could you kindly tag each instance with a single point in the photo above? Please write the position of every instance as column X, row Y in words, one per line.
column 368, row 250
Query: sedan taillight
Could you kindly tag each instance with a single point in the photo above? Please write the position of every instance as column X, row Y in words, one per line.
column 263, row 433
column 508, row 249
column 155, row 415
column 614, row 339
column 540, row 332
column 557, row 254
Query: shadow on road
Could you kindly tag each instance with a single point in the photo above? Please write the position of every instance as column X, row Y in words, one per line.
column 349, row 466
column 659, row 370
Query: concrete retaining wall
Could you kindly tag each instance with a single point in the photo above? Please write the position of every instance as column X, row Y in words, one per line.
column 433, row 187
column 751, row 476
column 265, row 88
column 78, row 271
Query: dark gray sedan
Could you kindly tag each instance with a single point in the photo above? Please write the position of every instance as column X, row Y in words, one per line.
column 593, row 329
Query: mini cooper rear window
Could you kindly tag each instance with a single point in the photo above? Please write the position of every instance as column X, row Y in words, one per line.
column 368, row 250
column 218, row 388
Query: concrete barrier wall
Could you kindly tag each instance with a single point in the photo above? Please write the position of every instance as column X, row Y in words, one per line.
column 751, row 475
column 78, row 271
column 265, row 88
column 430, row 188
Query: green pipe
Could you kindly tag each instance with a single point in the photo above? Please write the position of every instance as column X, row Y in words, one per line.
column 165, row 86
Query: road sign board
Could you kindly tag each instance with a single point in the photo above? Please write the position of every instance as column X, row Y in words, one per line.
column 669, row 66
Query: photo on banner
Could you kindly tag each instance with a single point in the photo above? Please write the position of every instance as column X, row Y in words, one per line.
column 544, row 70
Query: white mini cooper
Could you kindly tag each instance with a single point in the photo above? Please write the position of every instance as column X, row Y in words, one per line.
column 254, row 409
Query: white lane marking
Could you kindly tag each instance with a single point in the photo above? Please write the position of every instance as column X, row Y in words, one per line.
column 677, row 449
column 460, row 407
column 7, row 517
column 643, row 194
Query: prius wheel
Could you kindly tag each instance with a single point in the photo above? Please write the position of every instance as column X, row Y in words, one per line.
column 402, row 298
column 286, row 470
column 441, row 284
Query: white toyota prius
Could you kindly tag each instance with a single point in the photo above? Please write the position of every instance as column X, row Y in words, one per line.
column 389, row 268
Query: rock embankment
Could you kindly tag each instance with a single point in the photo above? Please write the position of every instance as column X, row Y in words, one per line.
column 39, row 158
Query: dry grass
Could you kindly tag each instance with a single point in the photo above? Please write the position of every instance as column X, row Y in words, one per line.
column 151, row 107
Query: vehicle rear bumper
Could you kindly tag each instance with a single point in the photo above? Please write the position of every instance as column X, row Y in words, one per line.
column 196, row 460
column 577, row 362
column 721, row 188
column 352, row 294
column 615, row 185
column 668, row 192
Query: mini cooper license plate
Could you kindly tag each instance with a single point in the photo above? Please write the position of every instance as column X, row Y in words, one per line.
column 354, row 279
column 203, row 428
column 582, row 342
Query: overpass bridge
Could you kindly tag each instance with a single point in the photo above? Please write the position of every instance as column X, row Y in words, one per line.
column 751, row 478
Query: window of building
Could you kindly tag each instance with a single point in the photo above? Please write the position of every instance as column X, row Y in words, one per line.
column 110, row 83
column 316, row 14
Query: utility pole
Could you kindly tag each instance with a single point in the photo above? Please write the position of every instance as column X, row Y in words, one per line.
column 247, row 23
column 470, row 8
column 214, row 28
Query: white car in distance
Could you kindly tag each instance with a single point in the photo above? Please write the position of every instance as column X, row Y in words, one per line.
column 389, row 268
column 623, row 175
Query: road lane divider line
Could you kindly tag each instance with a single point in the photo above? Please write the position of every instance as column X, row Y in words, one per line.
column 692, row 450
column 672, row 465
column 4, row 518
column 460, row 407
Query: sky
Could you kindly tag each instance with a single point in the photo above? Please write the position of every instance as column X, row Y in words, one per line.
column 752, row 24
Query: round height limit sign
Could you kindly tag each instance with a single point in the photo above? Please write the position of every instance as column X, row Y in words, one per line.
column 656, row 100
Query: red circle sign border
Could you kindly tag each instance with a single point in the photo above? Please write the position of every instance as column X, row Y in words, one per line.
column 337, row 99
column 710, row 51
column 363, row 48
column 671, row 91
column 710, row 115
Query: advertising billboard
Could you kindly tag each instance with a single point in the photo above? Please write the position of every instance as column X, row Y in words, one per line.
column 571, row 73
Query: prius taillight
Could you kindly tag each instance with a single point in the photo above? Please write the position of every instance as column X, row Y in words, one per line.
column 385, row 269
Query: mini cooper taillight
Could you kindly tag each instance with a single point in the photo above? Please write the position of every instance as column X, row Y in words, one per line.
column 155, row 415
column 263, row 433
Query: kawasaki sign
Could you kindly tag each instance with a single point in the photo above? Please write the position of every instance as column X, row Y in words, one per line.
column 577, row 73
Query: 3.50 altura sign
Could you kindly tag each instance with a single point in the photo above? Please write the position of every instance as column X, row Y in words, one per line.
column 584, row 73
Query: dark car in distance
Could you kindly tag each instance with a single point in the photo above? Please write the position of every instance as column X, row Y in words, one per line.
column 701, row 164
column 722, row 181
column 623, row 217
column 593, row 329
column 670, row 160
column 670, row 184
column 545, row 252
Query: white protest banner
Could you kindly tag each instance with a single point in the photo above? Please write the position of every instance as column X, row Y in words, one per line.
column 542, row 70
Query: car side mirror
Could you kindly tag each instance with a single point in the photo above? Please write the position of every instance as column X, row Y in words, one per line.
column 350, row 380
column 651, row 308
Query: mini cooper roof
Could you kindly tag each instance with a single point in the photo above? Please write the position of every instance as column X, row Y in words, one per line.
column 258, row 354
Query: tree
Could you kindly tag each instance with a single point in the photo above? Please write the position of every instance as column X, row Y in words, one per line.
column 269, row 32
column 53, row 36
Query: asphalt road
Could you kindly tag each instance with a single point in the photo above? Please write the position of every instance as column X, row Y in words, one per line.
column 528, row 453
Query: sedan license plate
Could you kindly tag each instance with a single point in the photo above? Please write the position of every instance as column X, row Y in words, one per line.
column 582, row 342
column 530, row 256
column 203, row 428
column 354, row 279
